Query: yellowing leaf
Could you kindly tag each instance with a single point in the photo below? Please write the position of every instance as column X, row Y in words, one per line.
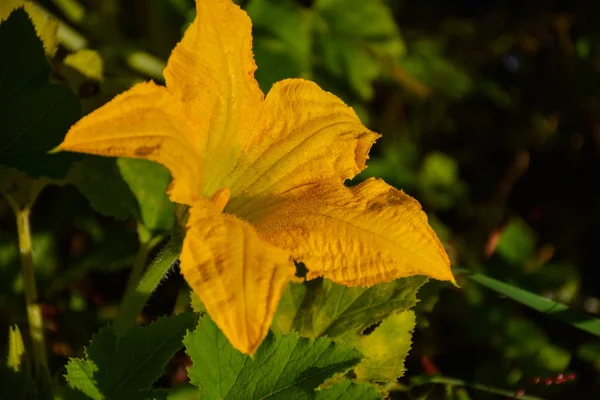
column 323, row 308
column 356, row 236
column 144, row 122
column 238, row 276
column 384, row 349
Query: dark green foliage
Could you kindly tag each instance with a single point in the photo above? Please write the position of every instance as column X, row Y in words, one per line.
column 126, row 367
column 93, row 175
column 35, row 114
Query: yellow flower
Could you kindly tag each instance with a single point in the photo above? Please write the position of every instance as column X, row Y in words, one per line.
column 263, row 176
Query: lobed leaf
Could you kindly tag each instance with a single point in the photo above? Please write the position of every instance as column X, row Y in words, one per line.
column 123, row 368
column 284, row 366
column 80, row 375
column 385, row 349
column 323, row 308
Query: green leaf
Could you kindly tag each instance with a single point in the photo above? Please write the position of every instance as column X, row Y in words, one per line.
column 35, row 114
column 182, row 392
column 439, row 181
column 137, row 189
column 197, row 305
column 347, row 314
column 397, row 165
column 80, row 374
column 426, row 62
column 553, row 358
column 576, row 318
column 323, row 308
column 522, row 338
column 590, row 352
column 384, row 349
column 282, row 40
column 148, row 181
column 517, row 242
column 346, row 389
column 284, row 366
column 356, row 39
column 123, row 368
column 100, row 181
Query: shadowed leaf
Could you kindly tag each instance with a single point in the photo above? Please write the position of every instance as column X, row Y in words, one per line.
column 35, row 114
column 123, row 368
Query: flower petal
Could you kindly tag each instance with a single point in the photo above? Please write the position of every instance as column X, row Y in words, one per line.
column 238, row 276
column 306, row 135
column 357, row 236
column 144, row 122
column 212, row 71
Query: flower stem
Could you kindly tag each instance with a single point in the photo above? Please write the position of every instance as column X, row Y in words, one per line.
column 134, row 300
column 147, row 243
column 34, row 312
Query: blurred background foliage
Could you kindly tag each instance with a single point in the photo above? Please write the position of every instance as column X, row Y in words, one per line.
column 490, row 115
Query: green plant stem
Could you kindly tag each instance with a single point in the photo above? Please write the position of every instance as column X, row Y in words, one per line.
column 420, row 381
column 147, row 243
column 134, row 300
column 34, row 312
column 138, row 267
